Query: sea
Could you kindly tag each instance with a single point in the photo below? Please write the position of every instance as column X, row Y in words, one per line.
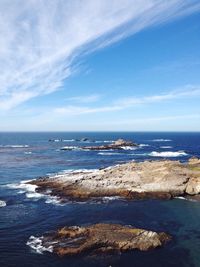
column 24, row 213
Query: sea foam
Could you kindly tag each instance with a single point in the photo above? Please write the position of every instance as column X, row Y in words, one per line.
column 36, row 243
column 30, row 191
column 169, row 154
column 2, row 203
column 161, row 140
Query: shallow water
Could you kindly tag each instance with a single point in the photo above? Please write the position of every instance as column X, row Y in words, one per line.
column 25, row 156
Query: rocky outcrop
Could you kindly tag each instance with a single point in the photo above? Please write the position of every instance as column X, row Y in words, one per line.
column 149, row 179
column 101, row 238
column 119, row 144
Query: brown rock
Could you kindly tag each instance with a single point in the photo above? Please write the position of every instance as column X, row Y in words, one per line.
column 103, row 238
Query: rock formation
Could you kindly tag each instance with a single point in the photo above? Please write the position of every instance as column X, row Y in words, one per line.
column 101, row 238
column 149, row 179
column 119, row 144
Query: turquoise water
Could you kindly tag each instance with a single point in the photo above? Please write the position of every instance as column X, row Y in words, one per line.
column 25, row 156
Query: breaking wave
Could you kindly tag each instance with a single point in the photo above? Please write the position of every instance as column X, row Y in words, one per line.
column 128, row 148
column 36, row 243
column 186, row 199
column 169, row 154
column 109, row 153
column 161, row 140
column 143, row 145
column 30, row 191
column 2, row 203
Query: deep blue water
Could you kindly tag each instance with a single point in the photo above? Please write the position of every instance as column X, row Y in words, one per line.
column 25, row 156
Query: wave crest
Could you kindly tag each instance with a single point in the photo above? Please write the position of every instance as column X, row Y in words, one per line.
column 169, row 154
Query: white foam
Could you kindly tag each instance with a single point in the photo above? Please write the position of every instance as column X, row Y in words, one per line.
column 34, row 195
column 128, row 148
column 28, row 152
column 23, row 185
column 53, row 200
column 186, row 199
column 2, row 203
column 109, row 153
column 183, row 198
column 107, row 199
column 169, row 154
column 36, row 243
column 69, row 140
column 166, row 147
column 161, row 140
column 31, row 193
column 143, row 145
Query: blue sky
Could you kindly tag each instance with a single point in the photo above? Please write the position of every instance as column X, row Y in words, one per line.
column 100, row 65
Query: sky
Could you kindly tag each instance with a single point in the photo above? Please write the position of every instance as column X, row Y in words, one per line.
column 98, row 65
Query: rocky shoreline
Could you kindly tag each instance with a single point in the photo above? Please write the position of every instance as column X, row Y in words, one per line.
column 97, row 239
column 162, row 179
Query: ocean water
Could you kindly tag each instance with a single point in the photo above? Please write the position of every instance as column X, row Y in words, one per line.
column 25, row 156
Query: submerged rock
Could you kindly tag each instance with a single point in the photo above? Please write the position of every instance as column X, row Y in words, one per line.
column 101, row 238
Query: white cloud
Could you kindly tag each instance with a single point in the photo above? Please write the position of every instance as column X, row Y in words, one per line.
column 188, row 91
column 40, row 39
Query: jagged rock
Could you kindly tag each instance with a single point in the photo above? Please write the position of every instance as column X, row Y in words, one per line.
column 122, row 142
column 102, row 238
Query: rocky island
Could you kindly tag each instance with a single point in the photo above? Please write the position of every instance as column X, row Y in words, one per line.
column 98, row 238
column 118, row 144
column 162, row 179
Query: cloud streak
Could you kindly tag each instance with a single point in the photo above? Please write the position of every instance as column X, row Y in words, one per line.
column 189, row 91
column 41, row 40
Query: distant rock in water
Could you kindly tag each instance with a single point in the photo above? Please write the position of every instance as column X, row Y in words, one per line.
column 2, row 203
column 85, row 139
column 119, row 144
column 99, row 239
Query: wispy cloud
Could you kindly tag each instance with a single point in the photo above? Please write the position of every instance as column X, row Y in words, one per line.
column 85, row 99
column 189, row 91
column 40, row 40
